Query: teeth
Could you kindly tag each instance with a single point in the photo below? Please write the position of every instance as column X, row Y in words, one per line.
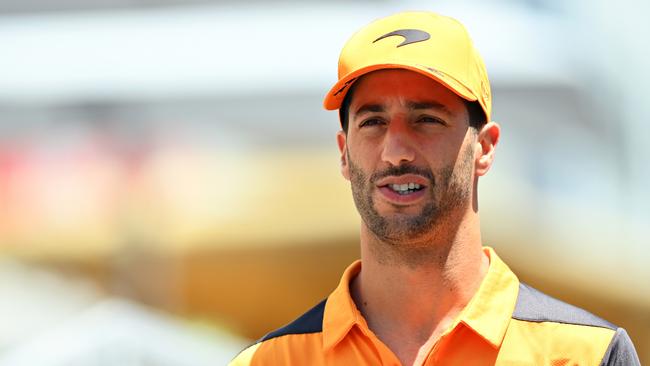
column 402, row 188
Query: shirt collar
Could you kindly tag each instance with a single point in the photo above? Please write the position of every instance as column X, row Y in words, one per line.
column 488, row 312
column 341, row 313
column 490, row 309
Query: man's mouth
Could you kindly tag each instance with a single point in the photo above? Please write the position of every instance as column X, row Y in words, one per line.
column 405, row 189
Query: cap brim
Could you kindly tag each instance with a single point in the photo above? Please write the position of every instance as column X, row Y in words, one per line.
column 335, row 96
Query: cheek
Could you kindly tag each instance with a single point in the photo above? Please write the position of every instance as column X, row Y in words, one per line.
column 359, row 169
column 449, row 151
column 441, row 163
column 363, row 156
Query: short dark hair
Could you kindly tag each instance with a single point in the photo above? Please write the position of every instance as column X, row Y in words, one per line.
column 476, row 115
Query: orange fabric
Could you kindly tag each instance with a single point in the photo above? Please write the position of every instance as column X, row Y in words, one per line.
column 441, row 49
column 481, row 326
column 483, row 334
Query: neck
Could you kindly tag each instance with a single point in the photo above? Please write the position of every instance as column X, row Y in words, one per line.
column 415, row 290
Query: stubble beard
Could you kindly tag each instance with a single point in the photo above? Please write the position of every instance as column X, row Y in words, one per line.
column 448, row 196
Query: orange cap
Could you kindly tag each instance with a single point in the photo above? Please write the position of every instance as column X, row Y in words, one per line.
column 431, row 44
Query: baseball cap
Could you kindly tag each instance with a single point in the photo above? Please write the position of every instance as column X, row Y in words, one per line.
column 428, row 43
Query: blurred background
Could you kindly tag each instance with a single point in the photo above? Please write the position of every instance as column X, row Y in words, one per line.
column 169, row 183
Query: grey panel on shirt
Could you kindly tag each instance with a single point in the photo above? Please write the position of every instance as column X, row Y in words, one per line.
column 535, row 306
column 621, row 351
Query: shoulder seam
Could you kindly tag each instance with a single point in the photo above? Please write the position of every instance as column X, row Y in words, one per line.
column 308, row 323
column 265, row 339
column 537, row 307
column 562, row 322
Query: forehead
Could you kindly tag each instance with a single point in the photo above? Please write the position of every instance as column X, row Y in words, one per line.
column 391, row 86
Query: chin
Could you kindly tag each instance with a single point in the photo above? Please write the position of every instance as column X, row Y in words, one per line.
column 389, row 210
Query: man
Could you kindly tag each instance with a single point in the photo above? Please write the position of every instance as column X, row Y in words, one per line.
column 414, row 104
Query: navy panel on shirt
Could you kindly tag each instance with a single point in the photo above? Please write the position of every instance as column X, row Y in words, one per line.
column 309, row 322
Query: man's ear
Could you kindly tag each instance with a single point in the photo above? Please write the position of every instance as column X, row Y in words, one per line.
column 341, row 139
column 488, row 137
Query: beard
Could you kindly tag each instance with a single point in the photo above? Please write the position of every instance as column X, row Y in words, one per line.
column 449, row 191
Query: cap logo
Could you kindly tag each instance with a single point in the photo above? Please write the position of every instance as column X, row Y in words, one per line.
column 344, row 86
column 410, row 36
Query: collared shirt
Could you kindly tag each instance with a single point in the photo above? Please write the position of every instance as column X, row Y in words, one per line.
column 505, row 323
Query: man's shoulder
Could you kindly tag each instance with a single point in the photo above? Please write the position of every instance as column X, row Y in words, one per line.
column 535, row 306
column 290, row 344
column 566, row 328
column 309, row 322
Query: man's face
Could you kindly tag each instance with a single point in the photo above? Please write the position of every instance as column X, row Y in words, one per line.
column 408, row 153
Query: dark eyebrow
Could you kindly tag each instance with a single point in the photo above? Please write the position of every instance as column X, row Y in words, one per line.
column 428, row 105
column 377, row 108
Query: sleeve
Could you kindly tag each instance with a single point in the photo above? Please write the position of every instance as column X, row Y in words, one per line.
column 621, row 351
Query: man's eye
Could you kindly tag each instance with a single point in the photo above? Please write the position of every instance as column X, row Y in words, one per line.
column 429, row 119
column 371, row 122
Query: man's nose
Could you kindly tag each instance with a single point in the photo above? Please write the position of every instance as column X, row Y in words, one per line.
column 397, row 147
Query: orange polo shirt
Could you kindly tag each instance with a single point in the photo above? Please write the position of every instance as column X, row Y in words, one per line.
column 505, row 323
